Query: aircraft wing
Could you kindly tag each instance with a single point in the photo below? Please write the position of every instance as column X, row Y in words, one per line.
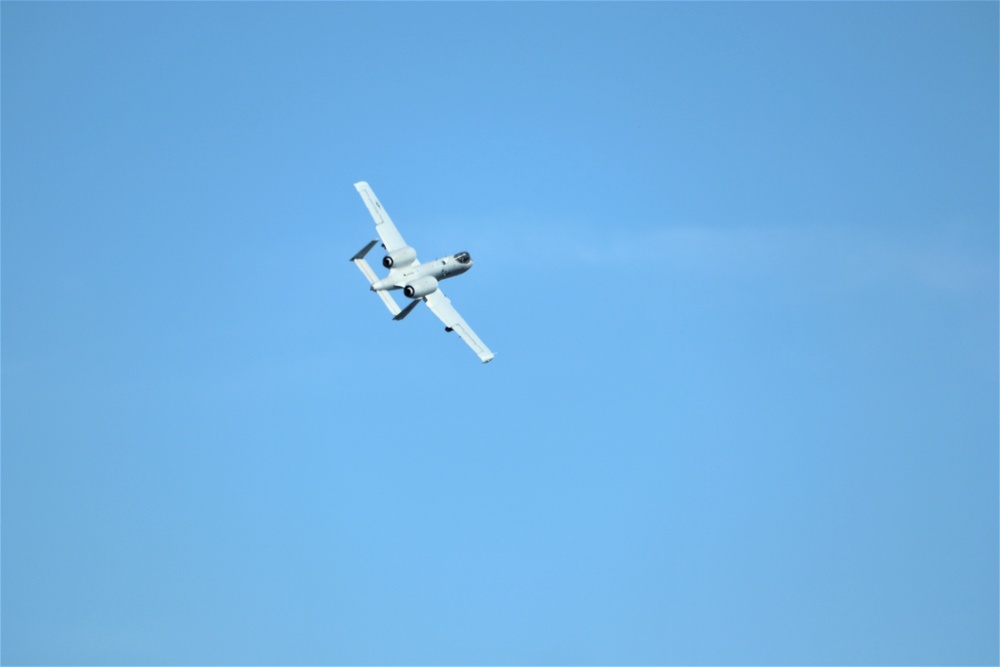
column 391, row 238
column 441, row 306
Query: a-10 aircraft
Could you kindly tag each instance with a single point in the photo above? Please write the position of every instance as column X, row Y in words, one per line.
column 418, row 281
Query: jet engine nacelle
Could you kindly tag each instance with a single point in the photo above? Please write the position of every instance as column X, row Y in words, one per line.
column 402, row 257
column 421, row 288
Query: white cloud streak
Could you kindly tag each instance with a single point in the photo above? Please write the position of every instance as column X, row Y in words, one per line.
column 844, row 257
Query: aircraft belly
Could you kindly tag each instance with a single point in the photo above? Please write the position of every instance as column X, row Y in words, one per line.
column 430, row 269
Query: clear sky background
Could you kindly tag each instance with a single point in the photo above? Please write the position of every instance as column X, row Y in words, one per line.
column 739, row 264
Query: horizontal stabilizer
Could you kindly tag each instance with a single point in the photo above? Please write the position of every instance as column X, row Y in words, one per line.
column 366, row 269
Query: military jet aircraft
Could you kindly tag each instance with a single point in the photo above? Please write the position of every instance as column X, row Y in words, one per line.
column 418, row 281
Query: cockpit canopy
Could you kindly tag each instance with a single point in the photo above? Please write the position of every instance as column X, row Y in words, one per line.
column 463, row 258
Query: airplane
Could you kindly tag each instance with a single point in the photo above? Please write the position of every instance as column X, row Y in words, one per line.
column 418, row 281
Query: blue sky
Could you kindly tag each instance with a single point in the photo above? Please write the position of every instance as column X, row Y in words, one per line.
column 738, row 263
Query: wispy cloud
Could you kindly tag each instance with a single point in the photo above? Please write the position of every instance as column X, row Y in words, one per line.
column 848, row 256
